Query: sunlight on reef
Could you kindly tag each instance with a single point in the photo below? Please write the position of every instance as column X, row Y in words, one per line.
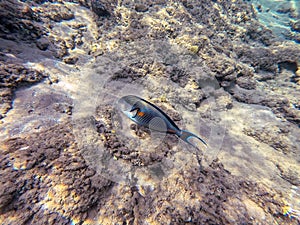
column 105, row 94
column 70, row 156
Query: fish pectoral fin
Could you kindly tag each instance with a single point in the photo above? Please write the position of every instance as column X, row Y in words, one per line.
column 186, row 135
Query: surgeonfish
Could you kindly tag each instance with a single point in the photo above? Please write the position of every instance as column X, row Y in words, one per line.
column 148, row 115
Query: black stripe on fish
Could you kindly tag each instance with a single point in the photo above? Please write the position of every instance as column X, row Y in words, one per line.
column 165, row 115
column 136, row 112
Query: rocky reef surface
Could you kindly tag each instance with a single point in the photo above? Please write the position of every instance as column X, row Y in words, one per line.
column 68, row 157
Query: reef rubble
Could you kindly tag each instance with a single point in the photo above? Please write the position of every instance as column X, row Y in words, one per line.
column 212, row 66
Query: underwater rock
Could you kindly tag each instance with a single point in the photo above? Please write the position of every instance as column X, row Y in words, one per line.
column 85, row 3
column 280, row 105
column 224, row 100
column 127, row 73
column 44, row 175
column 61, row 50
column 19, row 22
column 46, row 164
column 141, row 8
column 57, row 12
column 6, row 95
column 13, row 75
column 297, row 74
column 258, row 58
column 286, row 7
column 246, row 82
column 268, row 59
column 296, row 26
column 42, row 43
column 70, row 60
column 276, row 138
column 211, row 192
column 289, row 173
column 259, row 33
column 178, row 75
column 99, row 9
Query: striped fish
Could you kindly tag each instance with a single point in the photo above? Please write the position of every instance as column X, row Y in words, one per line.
column 148, row 115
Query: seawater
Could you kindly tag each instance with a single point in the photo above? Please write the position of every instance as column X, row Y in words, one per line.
column 278, row 15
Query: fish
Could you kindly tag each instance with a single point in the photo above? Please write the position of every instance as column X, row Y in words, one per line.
column 148, row 115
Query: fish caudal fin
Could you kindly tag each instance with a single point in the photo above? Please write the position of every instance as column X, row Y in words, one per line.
column 186, row 135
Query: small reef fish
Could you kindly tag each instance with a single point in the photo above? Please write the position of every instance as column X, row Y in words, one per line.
column 148, row 115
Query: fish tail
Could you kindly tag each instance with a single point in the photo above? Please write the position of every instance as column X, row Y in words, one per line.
column 186, row 135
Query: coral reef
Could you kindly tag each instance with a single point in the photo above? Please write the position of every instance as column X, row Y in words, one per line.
column 14, row 76
column 212, row 66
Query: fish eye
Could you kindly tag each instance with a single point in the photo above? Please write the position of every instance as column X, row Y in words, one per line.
column 134, row 112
